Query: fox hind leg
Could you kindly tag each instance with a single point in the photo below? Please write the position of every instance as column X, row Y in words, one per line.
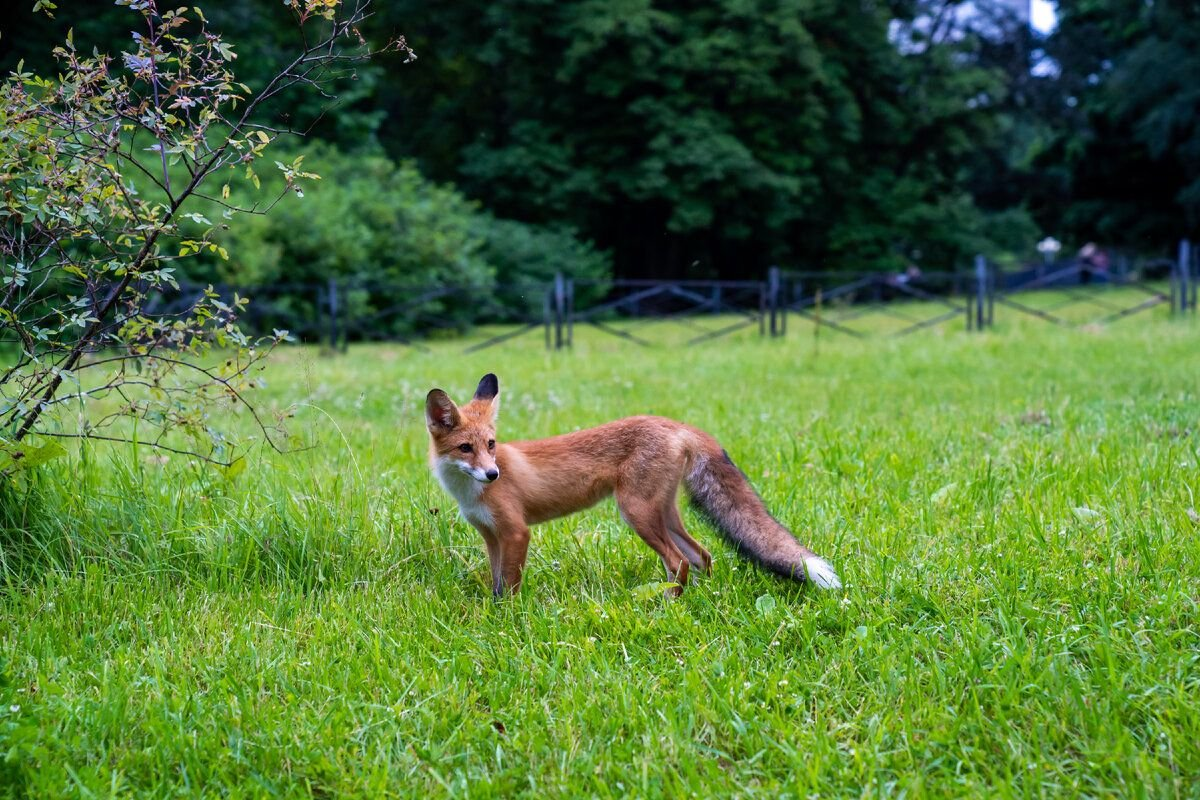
column 699, row 557
column 646, row 519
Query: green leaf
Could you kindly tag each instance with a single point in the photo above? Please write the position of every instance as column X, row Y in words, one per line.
column 233, row 470
column 765, row 604
column 942, row 493
column 649, row 591
column 30, row 457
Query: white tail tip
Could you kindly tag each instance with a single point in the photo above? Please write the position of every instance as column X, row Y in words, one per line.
column 821, row 574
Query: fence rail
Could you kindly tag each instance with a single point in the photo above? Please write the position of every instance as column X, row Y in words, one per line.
column 861, row 305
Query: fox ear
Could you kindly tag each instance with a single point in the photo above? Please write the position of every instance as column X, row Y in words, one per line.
column 488, row 391
column 489, row 387
column 441, row 414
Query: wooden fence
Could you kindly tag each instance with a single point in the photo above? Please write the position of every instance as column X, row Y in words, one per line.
column 862, row 305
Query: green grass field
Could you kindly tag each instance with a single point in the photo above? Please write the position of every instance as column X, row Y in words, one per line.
column 1013, row 515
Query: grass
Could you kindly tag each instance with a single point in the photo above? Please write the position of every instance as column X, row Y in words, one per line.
column 1013, row 514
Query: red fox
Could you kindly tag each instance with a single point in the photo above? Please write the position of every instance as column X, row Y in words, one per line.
column 502, row 489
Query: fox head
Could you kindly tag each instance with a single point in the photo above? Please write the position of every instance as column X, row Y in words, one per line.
column 466, row 437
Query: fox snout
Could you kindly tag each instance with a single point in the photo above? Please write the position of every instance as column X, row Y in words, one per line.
column 480, row 473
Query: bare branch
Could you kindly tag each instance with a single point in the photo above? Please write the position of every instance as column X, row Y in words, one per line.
column 88, row 283
column 154, row 444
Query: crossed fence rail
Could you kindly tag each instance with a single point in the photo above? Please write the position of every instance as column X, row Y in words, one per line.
column 646, row 302
column 861, row 305
column 911, row 302
column 1083, row 285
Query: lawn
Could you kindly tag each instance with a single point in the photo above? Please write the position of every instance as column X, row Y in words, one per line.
column 1013, row 515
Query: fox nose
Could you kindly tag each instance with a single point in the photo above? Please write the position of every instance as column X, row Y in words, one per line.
column 492, row 474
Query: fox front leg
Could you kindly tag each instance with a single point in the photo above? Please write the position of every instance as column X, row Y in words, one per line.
column 494, row 561
column 508, row 547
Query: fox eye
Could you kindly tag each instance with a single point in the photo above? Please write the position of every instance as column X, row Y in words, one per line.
column 466, row 448
column 491, row 444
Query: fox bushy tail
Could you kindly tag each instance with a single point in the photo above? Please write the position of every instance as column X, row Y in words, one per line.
column 723, row 493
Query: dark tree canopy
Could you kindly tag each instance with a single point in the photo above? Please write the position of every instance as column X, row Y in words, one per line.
column 1128, row 147
column 713, row 139
column 703, row 138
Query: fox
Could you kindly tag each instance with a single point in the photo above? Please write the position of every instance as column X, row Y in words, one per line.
column 503, row 489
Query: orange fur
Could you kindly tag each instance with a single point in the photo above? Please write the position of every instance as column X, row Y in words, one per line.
column 640, row 461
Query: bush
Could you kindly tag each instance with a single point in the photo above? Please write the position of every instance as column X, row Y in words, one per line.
column 385, row 232
column 521, row 253
column 367, row 219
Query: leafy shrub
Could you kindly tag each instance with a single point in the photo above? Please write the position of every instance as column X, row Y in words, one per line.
column 385, row 234
column 521, row 253
column 85, row 215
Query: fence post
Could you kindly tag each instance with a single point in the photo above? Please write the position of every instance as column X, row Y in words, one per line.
column 1184, row 278
column 560, row 302
column 773, row 300
column 817, row 317
column 991, row 297
column 783, row 307
column 570, row 312
column 333, row 314
column 546, row 300
column 794, row 300
column 319, row 311
column 981, row 270
column 762, row 309
column 1194, row 276
column 969, row 303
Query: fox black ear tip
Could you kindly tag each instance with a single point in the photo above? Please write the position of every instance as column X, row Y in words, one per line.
column 489, row 386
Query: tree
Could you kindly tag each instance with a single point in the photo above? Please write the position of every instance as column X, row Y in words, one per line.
column 101, row 166
column 1124, row 103
column 710, row 138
